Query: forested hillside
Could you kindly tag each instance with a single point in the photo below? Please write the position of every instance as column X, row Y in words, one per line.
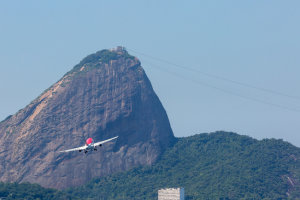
column 31, row 192
column 219, row 165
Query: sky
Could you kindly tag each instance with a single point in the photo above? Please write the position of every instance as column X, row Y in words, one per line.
column 216, row 48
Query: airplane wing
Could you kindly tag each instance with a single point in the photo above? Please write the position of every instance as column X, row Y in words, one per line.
column 102, row 142
column 75, row 149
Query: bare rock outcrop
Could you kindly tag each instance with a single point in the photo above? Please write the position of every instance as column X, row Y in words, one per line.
column 107, row 94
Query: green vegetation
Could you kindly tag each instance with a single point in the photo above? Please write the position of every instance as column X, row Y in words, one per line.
column 92, row 61
column 31, row 191
column 219, row 165
column 6, row 119
column 64, row 84
column 107, row 56
column 128, row 56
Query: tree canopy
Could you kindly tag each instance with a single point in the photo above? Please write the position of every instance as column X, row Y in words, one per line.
column 31, row 192
column 220, row 165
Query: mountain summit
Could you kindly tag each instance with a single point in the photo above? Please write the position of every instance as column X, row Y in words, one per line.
column 107, row 94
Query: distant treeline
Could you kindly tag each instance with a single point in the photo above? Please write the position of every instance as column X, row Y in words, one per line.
column 31, row 192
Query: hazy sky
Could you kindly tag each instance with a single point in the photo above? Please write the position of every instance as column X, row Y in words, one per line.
column 251, row 42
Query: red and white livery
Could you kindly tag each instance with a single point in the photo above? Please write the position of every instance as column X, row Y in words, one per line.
column 89, row 145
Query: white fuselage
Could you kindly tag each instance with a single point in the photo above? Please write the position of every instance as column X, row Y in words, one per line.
column 90, row 146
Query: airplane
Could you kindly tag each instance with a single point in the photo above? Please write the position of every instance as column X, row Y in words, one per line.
column 90, row 145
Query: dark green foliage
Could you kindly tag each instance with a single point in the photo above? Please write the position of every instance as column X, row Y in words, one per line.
column 31, row 191
column 6, row 118
column 128, row 56
column 92, row 61
column 107, row 56
column 103, row 56
column 219, row 165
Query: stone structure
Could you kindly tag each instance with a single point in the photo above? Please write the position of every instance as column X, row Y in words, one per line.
column 171, row 194
column 118, row 49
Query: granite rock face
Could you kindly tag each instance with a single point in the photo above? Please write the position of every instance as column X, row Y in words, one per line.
column 107, row 94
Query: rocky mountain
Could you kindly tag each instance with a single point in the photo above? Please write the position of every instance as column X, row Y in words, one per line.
column 107, row 94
